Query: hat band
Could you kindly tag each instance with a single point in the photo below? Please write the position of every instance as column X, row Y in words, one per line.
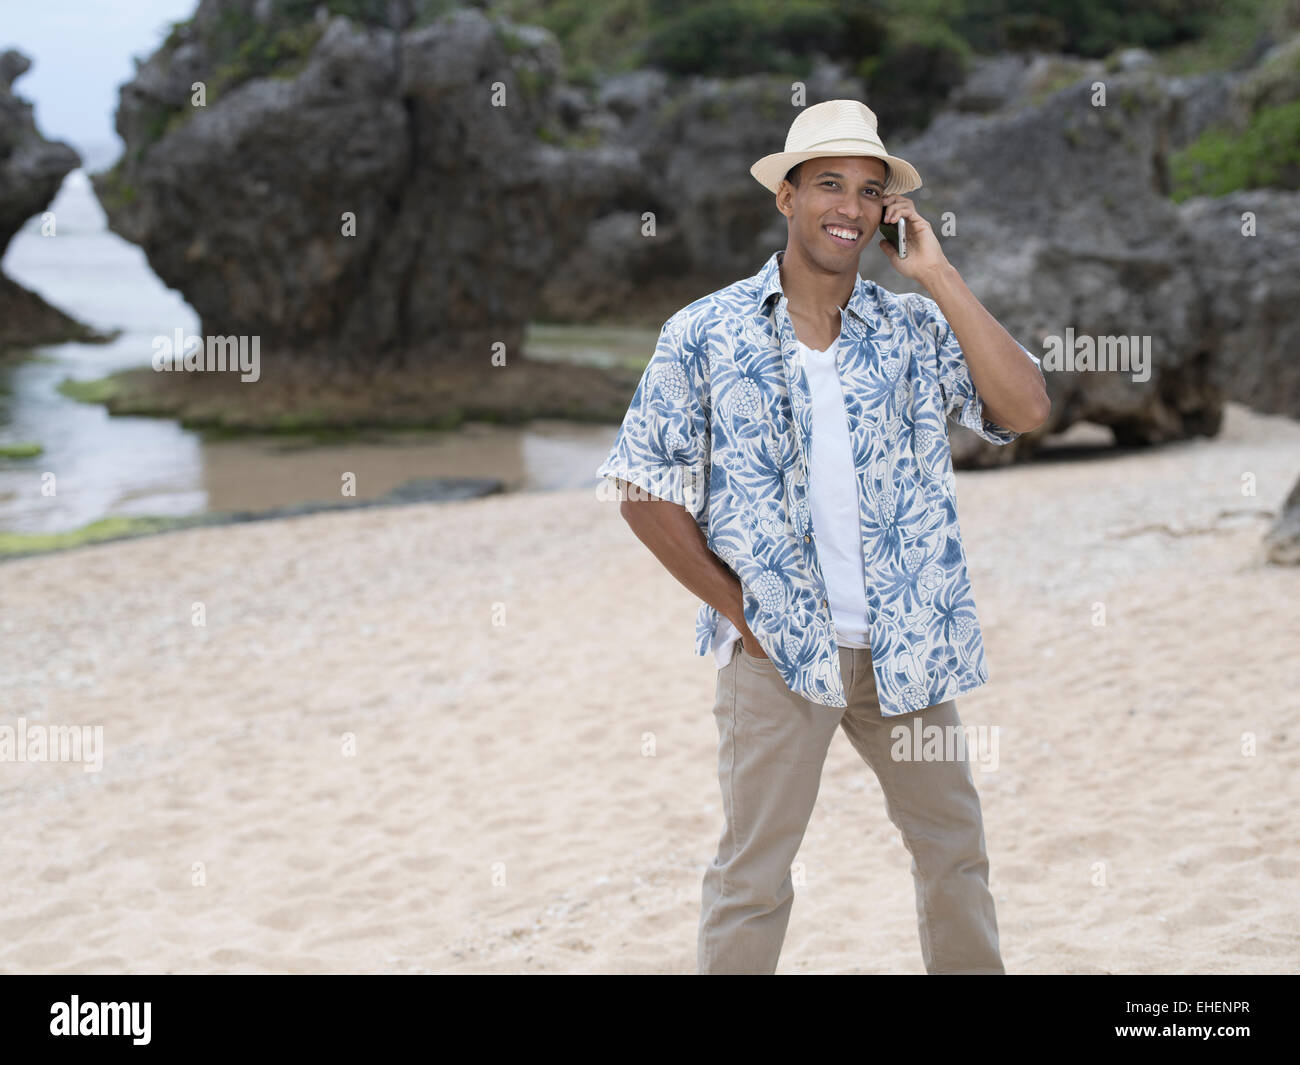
column 844, row 144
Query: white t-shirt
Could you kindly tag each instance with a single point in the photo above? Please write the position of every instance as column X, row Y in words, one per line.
column 833, row 499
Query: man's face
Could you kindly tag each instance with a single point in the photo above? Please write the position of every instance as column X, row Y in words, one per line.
column 834, row 194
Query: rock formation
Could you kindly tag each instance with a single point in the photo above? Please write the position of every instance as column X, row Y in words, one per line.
column 460, row 209
column 1282, row 542
column 625, row 202
column 31, row 171
column 1059, row 219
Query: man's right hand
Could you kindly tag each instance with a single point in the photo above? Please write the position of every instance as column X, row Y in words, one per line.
column 751, row 646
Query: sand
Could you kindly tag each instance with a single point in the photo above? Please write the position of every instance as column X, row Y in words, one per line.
column 533, row 783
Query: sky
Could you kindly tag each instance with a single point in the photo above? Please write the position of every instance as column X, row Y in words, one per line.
column 81, row 53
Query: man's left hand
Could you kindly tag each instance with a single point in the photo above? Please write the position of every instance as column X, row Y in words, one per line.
column 924, row 255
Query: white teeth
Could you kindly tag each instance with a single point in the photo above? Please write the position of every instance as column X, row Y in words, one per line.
column 846, row 234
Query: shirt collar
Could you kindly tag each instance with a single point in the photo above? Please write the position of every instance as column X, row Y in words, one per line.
column 864, row 303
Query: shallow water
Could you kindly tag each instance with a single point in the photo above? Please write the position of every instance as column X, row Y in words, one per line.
column 105, row 466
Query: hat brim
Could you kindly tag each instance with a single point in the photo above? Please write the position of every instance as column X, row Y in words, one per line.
column 771, row 169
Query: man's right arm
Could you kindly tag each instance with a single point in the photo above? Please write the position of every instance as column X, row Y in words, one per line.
column 660, row 459
column 675, row 539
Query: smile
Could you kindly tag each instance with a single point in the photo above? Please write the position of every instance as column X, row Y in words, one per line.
column 845, row 236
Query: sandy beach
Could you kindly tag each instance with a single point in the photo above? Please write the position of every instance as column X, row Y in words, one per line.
column 474, row 737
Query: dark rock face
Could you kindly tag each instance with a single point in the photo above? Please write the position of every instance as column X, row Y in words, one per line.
column 460, row 208
column 1064, row 230
column 1249, row 285
column 31, row 171
column 1063, row 221
column 31, row 168
column 1058, row 211
column 695, row 141
column 1057, row 214
column 1282, row 542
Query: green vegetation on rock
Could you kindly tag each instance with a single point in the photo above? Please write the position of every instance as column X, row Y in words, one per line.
column 16, row 544
column 1266, row 154
column 909, row 53
column 1232, row 36
column 96, row 390
column 113, row 190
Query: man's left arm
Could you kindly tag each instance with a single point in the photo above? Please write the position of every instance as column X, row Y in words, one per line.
column 1011, row 386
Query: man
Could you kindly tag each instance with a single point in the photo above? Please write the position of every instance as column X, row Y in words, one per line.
column 785, row 456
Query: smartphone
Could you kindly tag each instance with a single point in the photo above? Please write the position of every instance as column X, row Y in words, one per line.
column 896, row 234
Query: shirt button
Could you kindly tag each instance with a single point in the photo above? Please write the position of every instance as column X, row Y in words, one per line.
column 807, row 539
column 825, row 603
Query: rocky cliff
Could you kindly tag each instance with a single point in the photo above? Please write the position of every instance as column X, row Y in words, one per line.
column 623, row 202
column 1056, row 209
column 31, row 171
column 460, row 209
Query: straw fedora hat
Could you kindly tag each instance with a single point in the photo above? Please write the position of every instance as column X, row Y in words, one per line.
column 836, row 127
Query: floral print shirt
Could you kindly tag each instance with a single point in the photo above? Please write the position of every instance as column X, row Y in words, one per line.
column 720, row 424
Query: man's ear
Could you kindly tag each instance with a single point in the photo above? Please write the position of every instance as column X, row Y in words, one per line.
column 781, row 189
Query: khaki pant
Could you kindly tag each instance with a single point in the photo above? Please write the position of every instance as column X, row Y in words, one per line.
column 771, row 747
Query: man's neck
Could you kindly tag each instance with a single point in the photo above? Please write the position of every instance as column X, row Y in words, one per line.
column 812, row 294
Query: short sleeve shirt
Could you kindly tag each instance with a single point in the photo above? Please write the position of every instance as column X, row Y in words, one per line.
column 720, row 423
